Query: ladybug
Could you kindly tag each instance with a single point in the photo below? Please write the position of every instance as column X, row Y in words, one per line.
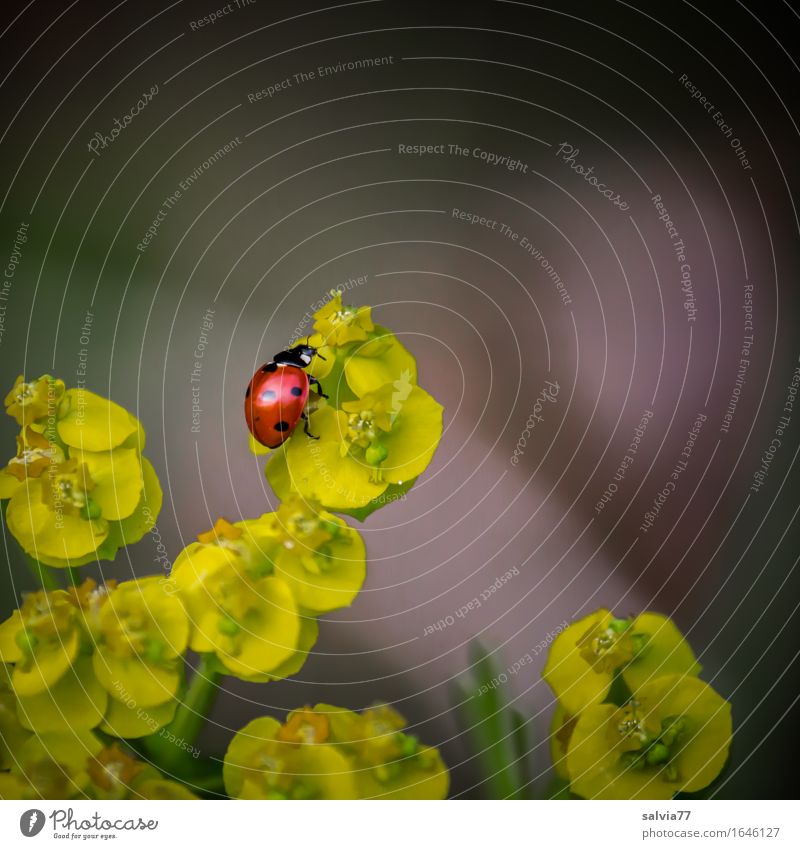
column 276, row 397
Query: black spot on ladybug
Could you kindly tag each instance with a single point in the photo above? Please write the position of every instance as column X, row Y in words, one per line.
column 282, row 426
column 247, row 394
column 296, row 390
column 269, row 367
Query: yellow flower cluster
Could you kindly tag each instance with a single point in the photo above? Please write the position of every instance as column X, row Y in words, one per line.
column 378, row 430
column 88, row 663
column 328, row 752
column 78, row 487
column 254, row 588
column 76, row 765
column 107, row 658
column 633, row 720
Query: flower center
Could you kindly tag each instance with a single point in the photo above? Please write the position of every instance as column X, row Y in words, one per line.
column 343, row 316
column 113, row 767
column 361, row 428
column 607, row 648
column 642, row 747
column 305, row 726
column 65, row 490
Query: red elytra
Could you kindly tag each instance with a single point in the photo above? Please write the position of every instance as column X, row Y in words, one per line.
column 274, row 402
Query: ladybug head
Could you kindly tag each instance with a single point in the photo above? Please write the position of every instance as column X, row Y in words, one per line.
column 298, row 355
column 306, row 353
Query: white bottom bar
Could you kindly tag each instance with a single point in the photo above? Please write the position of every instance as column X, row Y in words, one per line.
column 400, row 825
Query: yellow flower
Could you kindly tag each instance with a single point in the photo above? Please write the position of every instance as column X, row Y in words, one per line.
column 85, row 508
column 34, row 401
column 12, row 733
column 42, row 639
column 75, row 765
column 239, row 609
column 584, row 658
column 339, row 325
column 260, row 765
column 386, row 437
column 673, row 736
column 319, row 556
column 35, row 454
column 141, row 633
column 78, row 486
column 561, row 728
column 328, row 752
column 356, row 356
column 52, row 766
column 387, row 763
column 115, row 774
column 55, row 687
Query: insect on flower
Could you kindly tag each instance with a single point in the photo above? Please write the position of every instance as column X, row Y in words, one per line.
column 276, row 397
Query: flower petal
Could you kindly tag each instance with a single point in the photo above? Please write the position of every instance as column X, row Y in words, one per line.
column 339, row 576
column 55, row 539
column 92, row 423
column 378, row 361
column 665, row 652
column 118, row 480
column 76, row 701
column 149, row 685
column 319, row 471
column 574, row 682
column 414, row 436
column 126, row 719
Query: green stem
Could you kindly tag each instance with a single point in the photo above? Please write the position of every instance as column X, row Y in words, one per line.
column 189, row 718
column 73, row 576
column 44, row 574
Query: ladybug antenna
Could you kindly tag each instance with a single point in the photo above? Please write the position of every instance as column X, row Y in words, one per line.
column 316, row 350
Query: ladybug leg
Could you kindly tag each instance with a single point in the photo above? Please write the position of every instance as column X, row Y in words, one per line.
column 314, row 382
column 306, row 431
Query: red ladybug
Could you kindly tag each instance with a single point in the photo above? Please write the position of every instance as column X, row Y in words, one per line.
column 275, row 399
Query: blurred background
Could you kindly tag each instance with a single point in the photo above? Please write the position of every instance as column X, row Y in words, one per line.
column 276, row 155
